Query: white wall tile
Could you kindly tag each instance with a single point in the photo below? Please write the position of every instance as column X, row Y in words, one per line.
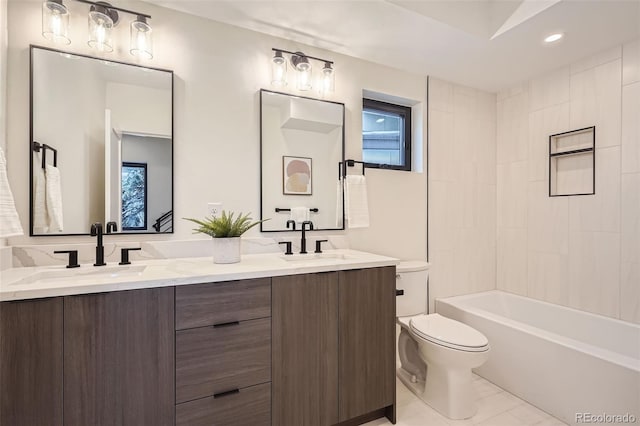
column 513, row 129
column 597, row 59
column 440, row 95
column 440, row 275
column 594, row 272
column 548, row 220
column 511, row 272
column 630, row 218
column 542, row 124
column 631, row 128
column 512, row 195
column 631, row 62
column 549, row 89
column 548, row 277
column 442, row 222
column 441, row 145
column 596, row 97
column 601, row 211
column 630, row 292
column 485, row 151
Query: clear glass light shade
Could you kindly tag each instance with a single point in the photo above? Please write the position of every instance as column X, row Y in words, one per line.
column 328, row 80
column 141, row 43
column 278, row 70
column 100, row 26
column 304, row 74
column 55, row 22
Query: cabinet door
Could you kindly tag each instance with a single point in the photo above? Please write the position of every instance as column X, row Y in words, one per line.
column 367, row 341
column 119, row 358
column 31, row 362
column 305, row 350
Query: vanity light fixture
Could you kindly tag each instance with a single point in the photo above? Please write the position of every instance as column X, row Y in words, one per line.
column 141, row 41
column 278, row 69
column 102, row 18
column 303, row 71
column 55, row 21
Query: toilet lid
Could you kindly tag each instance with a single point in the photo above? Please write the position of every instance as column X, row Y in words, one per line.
column 449, row 333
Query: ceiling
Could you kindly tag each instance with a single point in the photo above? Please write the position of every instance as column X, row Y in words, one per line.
column 486, row 44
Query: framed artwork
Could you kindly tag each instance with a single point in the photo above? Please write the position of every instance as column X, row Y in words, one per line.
column 296, row 176
column 134, row 196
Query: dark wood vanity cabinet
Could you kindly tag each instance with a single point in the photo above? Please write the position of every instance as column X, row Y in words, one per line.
column 119, row 358
column 31, row 362
column 334, row 347
column 299, row 350
column 305, row 349
column 223, row 353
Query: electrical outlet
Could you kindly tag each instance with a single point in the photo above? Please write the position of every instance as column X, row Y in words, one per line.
column 214, row 209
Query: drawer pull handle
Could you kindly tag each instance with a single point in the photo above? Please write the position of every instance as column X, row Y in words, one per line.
column 230, row 392
column 226, row 324
column 399, row 292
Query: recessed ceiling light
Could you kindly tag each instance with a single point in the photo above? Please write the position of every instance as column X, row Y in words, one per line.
column 379, row 120
column 553, row 37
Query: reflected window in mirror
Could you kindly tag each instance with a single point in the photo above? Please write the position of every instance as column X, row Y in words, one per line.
column 301, row 146
column 100, row 116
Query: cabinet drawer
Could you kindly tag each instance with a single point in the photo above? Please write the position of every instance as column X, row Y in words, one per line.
column 215, row 359
column 249, row 407
column 200, row 305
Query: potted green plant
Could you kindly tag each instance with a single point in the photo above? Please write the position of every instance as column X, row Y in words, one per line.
column 225, row 231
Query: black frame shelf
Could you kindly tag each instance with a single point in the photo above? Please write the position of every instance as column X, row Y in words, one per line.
column 555, row 155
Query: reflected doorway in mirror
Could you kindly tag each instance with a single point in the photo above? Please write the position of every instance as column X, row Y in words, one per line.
column 296, row 176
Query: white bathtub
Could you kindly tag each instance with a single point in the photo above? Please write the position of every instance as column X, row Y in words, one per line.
column 562, row 360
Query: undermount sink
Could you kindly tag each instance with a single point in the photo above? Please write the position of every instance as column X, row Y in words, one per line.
column 83, row 273
column 313, row 256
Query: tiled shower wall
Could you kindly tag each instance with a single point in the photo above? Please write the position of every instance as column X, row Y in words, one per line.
column 462, row 190
column 578, row 251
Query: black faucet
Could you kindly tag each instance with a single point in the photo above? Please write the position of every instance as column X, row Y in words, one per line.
column 303, row 241
column 96, row 231
column 291, row 222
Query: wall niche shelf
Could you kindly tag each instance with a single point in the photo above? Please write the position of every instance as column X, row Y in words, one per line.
column 572, row 163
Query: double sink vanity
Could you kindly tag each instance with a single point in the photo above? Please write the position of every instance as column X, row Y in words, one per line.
column 273, row 340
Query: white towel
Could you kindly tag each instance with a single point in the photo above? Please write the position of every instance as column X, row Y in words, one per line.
column 40, row 216
column 356, row 202
column 9, row 221
column 299, row 214
column 54, row 198
column 339, row 204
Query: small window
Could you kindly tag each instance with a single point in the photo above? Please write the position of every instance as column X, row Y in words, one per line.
column 386, row 135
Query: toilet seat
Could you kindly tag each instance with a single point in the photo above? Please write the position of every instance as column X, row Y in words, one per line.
column 448, row 333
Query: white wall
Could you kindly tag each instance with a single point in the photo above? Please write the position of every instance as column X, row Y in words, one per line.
column 219, row 70
column 3, row 95
column 579, row 251
column 139, row 109
column 462, row 190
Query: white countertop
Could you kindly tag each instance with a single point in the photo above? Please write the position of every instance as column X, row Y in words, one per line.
column 50, row 281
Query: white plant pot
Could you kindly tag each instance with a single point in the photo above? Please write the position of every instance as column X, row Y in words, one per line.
column 226, row 250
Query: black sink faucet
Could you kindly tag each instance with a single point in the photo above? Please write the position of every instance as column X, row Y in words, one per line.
column 291, row 222
column 96, row 231
column 303, row 241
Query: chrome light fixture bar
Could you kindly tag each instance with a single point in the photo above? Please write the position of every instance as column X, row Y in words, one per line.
column 102, row 18
column 304, row 71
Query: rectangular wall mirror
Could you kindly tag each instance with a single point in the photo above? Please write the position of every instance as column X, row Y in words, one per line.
column 101, row 145
column 301, row 146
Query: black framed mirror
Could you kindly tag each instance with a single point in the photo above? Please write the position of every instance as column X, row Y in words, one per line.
column 301, row 147
column 91, row 120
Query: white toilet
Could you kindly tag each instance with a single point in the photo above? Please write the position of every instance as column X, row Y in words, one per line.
column 436, row 353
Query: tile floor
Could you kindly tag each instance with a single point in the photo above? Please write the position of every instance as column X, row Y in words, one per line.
column 496, row 407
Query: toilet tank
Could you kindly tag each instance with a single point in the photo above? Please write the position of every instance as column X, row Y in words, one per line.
column 411, row 276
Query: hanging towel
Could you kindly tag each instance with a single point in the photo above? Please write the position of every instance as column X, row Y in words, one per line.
column 40, row 216
column 299, row 214
column 54, row 198
column 9, row 221
column 356, row 202
column 339, row 204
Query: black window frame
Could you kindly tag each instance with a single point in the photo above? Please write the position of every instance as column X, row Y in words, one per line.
column 405, row 113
